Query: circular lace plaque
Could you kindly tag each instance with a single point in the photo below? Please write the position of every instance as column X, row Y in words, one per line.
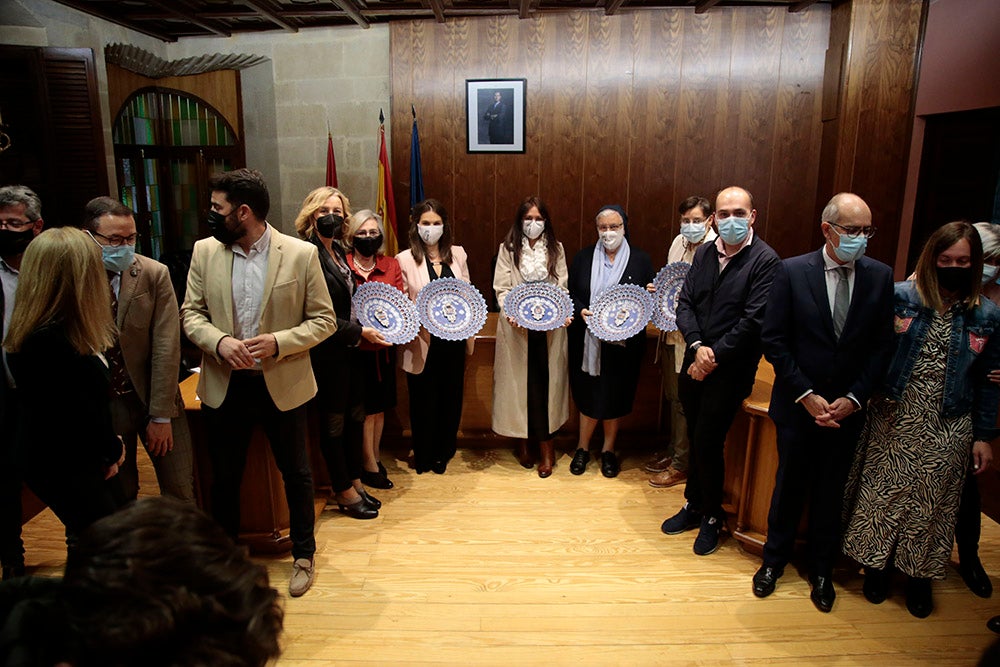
column 451, row 309
column 539, row 305
column 620, row 312
column 668, row 283
column 387, row 310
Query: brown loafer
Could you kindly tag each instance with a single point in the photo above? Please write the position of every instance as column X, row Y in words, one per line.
column 659, row 463
column 667, row 478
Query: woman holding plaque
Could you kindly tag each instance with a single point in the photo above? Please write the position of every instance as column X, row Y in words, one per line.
column 336, row 363
column 603, row 376
column 366, row 236
column 530, row 388
column 435, row 368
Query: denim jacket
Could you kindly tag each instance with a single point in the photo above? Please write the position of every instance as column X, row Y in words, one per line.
column 973, row 352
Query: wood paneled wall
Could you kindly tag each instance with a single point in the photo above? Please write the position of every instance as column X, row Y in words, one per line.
column 642, row 109
column 874, row 51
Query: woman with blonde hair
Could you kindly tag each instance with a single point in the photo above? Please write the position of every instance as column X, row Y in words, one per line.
column 61, row 324
column 366, row 237
column 336, row 362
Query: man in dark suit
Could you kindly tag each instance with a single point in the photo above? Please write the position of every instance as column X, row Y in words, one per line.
column 719, row 312
column 827, row 331
column 501, row 126
column 20, row 222
column 146, row 401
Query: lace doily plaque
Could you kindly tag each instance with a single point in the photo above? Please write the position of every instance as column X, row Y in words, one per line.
column 451, row 309
column 620, row 312
column 387, row 310
column 668, row 283
column 538, row 305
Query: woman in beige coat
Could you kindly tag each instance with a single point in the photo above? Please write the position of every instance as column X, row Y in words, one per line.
column 530, row 386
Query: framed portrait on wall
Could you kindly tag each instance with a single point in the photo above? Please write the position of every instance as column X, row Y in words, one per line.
column 494, row 115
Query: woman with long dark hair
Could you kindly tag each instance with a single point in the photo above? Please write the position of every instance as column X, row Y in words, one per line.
column 530, row 385
column 435, row 368
column 931, row 421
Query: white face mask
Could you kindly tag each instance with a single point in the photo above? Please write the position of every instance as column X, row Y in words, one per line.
column 612, row 239
column 989, row 273
column 533, row 228
column 430, row 234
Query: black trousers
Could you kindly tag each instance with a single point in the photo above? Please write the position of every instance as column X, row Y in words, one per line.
column 436, row 403
column 813, row 464
column 970, row 519
column 11, row 546
column 710, row 406
column 78, row 495
column 229, row 428
column 538, row 386
column 340, row 402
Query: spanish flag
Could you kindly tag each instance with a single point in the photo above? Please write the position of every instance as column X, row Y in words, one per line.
column 385, row 205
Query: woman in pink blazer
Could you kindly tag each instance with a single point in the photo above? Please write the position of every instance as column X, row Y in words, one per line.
column 435, row 368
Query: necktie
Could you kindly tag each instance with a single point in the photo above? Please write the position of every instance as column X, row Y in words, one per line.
column 841, row 300
column 120, row 381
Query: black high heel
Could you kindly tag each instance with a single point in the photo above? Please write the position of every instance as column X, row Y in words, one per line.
column 359, row 509
column 372, row 501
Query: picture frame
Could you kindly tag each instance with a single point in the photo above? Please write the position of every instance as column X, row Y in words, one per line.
column 495, row 111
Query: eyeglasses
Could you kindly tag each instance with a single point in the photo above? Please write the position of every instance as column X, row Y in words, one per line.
column 368, row 234
column 855, row 232
column 686, row 221
column 610, row 228
column 15, row 225
column 115, row 240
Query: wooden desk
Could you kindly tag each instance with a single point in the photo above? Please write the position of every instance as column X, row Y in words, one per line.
column 264, row 521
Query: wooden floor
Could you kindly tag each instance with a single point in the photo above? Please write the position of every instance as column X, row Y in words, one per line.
column 488, row 564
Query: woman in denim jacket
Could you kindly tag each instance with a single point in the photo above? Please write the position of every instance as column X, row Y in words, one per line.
column 932, row 419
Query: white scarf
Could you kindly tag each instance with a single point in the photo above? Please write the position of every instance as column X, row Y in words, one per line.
column 602, row 276
column 534, row 264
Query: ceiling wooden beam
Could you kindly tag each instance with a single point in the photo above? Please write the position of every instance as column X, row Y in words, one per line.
column 703, row 6
column 259, row 7
column 190, row 17
column 438, row 7
column 349, row 8
column 613, row 6
column 801, row 6
column 87, row 8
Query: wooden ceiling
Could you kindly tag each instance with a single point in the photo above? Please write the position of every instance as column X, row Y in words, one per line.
column 170, row 20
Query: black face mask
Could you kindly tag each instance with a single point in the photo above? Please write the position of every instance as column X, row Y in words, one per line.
column 13, row 243
column 218, row 228
column 954, row 278
column 330, row 226
column 367, row 246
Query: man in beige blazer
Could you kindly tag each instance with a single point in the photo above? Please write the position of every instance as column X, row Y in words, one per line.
column 256, row 302
column 146, row 401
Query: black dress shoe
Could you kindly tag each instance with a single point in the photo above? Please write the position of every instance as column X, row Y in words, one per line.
column 372, row 501
column 822, row 594
column 360, row 509
column 579, row 463
column 439, row 467
column 918, row 597
column 376, row 480
column 610, row 467
column 382, row 470
column 975, row 577
column 766, row 579
column 876, row 586
column 13, row 571
column 994, row 624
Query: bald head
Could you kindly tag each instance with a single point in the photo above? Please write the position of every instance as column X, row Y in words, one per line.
column 735, row 195
column 847, row 210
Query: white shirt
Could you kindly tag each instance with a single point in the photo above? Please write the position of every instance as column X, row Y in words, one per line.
column 249, row 273
column 8, row 275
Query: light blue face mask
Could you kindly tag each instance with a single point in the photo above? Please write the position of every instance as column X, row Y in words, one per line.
column 989, row 273
column 117, row 258
column 733, row 231
column 851, row 247
column 694, row 232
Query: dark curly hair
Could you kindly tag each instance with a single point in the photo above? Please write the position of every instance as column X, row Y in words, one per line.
column 160, row 584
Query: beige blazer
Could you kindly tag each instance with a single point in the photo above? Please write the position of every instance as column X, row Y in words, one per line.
column 296, row 308
column 510, row 363
column 415, row 276
column 150, row 335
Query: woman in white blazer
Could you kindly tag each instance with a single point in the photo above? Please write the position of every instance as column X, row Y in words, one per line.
column 435, row 368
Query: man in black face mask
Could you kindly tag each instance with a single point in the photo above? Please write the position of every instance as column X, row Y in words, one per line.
column 20, row 221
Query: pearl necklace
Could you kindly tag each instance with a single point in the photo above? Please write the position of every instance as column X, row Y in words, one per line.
column 366, row 269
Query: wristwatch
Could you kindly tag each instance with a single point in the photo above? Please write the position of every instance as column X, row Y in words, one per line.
column 695, row 345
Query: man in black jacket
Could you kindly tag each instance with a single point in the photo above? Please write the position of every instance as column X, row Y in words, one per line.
column 720, row 312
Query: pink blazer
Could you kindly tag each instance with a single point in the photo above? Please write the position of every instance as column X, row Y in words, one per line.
column 415, row 276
